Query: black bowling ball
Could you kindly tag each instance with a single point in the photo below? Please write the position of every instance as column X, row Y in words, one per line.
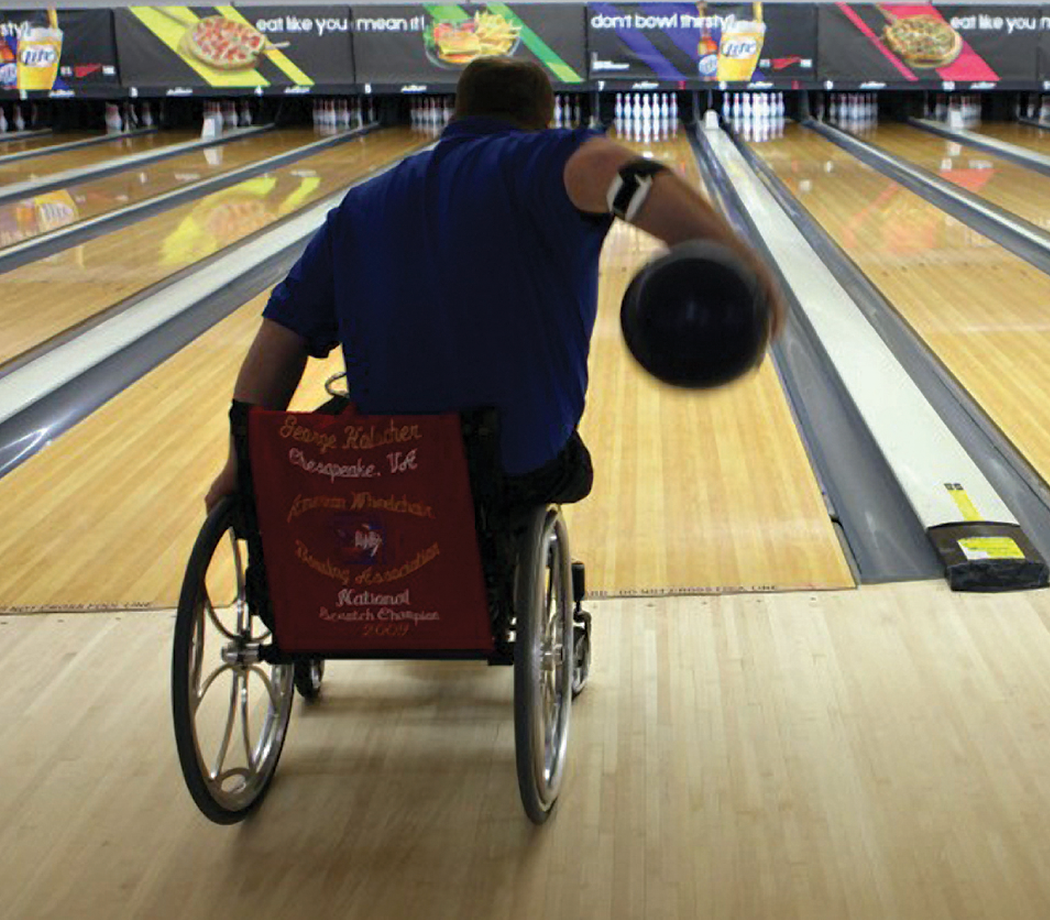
column 696, row 316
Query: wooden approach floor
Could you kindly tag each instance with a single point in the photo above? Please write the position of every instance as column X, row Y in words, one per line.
column 50, row 296
column 28, row 217
column 980, row 309
column 1008, row 185
column 693, row 493
column 878, row 754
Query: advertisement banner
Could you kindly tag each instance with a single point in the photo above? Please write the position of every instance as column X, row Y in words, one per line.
column 901, row 44
column 222, row 47
column 684, row 43
column 57, row 51
column 430, row 44
column 1044, row 47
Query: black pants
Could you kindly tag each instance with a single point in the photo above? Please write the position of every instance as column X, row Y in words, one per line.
column 567, row 478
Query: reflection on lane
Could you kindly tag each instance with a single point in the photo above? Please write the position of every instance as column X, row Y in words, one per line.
column 1037, row 139
column 11, row 146
column 1010, row 186
column 978, row 307
column 29, row 217
column 48, row 296
column 900, row 229
column 47, row 164
column 234, row 213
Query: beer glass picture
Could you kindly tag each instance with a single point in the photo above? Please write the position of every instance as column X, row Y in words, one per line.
column 39, row 51
column 740, row 47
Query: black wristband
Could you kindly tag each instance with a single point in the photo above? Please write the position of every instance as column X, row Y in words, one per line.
column 631, row 187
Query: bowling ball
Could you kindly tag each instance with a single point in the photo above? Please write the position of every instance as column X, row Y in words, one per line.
column 696, row 316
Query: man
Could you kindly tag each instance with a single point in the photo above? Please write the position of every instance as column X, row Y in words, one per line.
column 467, row 276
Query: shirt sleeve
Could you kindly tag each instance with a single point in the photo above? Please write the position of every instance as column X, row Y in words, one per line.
column 543, row 178
column 305, row 301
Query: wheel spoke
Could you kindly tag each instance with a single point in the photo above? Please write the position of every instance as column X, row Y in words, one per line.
column 197, row 651
column 213, row 616
column 211, row 679
column 245, row 728
column 238, row 568
column 228, row 733
column 268, row 684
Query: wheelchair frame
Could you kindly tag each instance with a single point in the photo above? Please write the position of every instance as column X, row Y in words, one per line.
column 546, row 639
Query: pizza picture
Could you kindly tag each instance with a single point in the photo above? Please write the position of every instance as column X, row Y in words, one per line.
column 923, row 40
column 224, row 44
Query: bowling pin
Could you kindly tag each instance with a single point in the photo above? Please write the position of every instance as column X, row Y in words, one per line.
column 20, row 122
column 3, row 120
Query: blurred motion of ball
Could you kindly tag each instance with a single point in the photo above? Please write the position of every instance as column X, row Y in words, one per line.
column 696, row 316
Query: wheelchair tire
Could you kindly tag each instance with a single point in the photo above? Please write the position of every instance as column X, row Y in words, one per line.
column 543, row 661
column 308, row 676
column 224, row 794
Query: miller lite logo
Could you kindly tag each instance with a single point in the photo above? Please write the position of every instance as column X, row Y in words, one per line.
column 37, row 56
column 739, row 47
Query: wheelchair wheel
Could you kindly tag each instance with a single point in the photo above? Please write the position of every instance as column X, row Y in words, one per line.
column 308, row 675
column 230, row 709
column 543, row 662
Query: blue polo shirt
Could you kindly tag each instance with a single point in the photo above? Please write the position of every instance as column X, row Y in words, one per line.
column 463, row 277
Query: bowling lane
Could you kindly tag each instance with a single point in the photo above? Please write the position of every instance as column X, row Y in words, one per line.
column 1029, row 136
column 980, row 309
column 154, row 446
column 47, row 297
column 1008, row 185
column 47, row 164
column 694, row 492
column 28, row 217
column 9, row 145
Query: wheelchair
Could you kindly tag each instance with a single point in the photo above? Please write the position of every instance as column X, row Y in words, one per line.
column 242, row 648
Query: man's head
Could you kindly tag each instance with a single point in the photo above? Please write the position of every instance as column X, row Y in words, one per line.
column 499, row 87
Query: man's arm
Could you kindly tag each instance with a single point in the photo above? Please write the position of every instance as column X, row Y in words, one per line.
column 673, row 211
column 268, row 377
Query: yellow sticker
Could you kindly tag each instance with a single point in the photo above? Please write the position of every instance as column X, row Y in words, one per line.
column 990, row 548
column 966, row 507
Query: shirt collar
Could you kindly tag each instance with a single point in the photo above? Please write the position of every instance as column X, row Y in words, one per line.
column 479, row 126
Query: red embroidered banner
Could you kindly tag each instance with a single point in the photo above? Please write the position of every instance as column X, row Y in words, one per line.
column 367, row 527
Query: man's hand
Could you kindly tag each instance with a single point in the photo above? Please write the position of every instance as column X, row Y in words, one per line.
column 268, row 378
column 225, row 484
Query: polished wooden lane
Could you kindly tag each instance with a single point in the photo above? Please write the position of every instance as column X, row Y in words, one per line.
column 136, row 471
column 1006, row 184
column 45, row 298
column 981, row 310
column 868, row 754
column 693, row 491
column 9, row 145
column 28, row 217
column 47, row 164
column 1029, row 136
